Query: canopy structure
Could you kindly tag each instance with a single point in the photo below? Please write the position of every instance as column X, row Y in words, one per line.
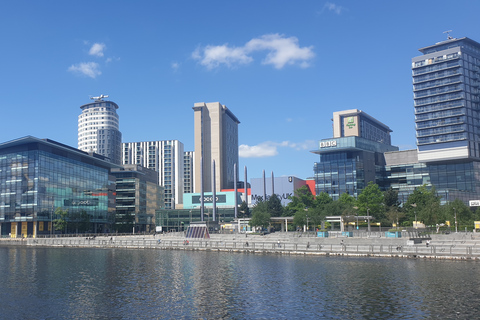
column 197, row 231
column 343, row 219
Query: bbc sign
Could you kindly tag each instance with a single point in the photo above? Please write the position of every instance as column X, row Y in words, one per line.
column 325, row 144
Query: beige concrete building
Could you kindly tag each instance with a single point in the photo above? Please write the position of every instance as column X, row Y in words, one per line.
column 216, row 138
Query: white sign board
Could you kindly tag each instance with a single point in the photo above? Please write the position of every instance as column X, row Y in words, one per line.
column 474, row 203
column 158, row 228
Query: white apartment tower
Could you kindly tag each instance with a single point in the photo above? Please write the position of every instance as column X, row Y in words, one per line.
column 216, row 138
column 167, row 158
column 188, row 167
column 98, row 129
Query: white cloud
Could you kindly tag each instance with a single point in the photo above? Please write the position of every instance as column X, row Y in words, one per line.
column 333, row 7
column 97, row 49
column 214, row 56
column 175, row 66
column 270, row 148
column 265, row 149
column 89, row 69
column 281, row 51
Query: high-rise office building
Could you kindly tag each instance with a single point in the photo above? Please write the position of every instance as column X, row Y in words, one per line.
column 98, row 129
column 354, row 156
column 167, row 158
column 356, row 123
column 216, row 138
column 446, row 97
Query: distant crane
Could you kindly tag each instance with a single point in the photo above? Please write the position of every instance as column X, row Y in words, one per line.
column 449, row 37
column 99, row 98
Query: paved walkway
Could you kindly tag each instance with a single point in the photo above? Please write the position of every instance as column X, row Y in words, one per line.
column 453, row 246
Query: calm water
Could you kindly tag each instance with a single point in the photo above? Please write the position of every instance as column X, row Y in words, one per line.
column 63, row 283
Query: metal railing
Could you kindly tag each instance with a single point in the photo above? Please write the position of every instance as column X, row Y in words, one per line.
column 465, row 250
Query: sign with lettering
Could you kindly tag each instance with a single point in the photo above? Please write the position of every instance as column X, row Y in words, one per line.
column 220, row 198
column 80, row 202
column 474, row 203
column 350, row 122
column 325, row 144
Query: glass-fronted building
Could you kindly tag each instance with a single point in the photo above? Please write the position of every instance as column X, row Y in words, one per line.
column 452, row 179
column 38, row 176
column 347, row 165
column 138, row 197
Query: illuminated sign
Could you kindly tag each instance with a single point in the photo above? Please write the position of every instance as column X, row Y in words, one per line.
column 325, row 144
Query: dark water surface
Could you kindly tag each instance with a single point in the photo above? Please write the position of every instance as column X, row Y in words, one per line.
column 66, row 283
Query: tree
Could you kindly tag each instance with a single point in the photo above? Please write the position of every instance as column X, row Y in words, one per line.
column 347, row 199
column 425, row 204
column 370, row 201
column 390, row 198
column 392, row 206
column 274, row 205
column 61, row 222
column 302, row 199
column 244, row 210
column 463, row 213
column 260, row 214
column 322, row 199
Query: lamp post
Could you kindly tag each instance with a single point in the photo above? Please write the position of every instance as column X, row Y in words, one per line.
column 368, row 217
column 307, row 222
column 414, row 205
column 357, row 215
column 456, row 227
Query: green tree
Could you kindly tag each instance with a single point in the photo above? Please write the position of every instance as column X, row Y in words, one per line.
column 60, row 223
column 391, row 203
column 260, row 214
column 244, row 210
column 302, row 199
column 425, row 204
column 390, row 198
column 370, row 202
column 322, row 199
column 274, row 205
column 463, row 214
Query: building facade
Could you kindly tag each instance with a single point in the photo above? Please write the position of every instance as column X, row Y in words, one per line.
column 354, row 156
column 166, row 157
column 39, row 176
column 188, row 174
column 446, row 81
column 283, row 187
column 447, row 121
column 138, row 196
column 216, row 139
column 98, row 129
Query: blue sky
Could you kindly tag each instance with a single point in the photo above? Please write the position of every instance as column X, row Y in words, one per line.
column 282, row 67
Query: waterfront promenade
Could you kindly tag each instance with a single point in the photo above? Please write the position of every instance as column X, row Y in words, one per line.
column 452, row 246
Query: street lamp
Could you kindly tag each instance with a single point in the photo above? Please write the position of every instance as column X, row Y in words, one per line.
column 456, row 228
column 307, row 222
column 414, row 205
column 368, row 217
column 357, row 215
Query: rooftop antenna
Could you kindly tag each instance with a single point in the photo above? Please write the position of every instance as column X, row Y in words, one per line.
column 449, row 37
column 99, row 98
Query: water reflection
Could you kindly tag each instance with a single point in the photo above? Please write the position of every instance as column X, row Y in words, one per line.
column 61, row 283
